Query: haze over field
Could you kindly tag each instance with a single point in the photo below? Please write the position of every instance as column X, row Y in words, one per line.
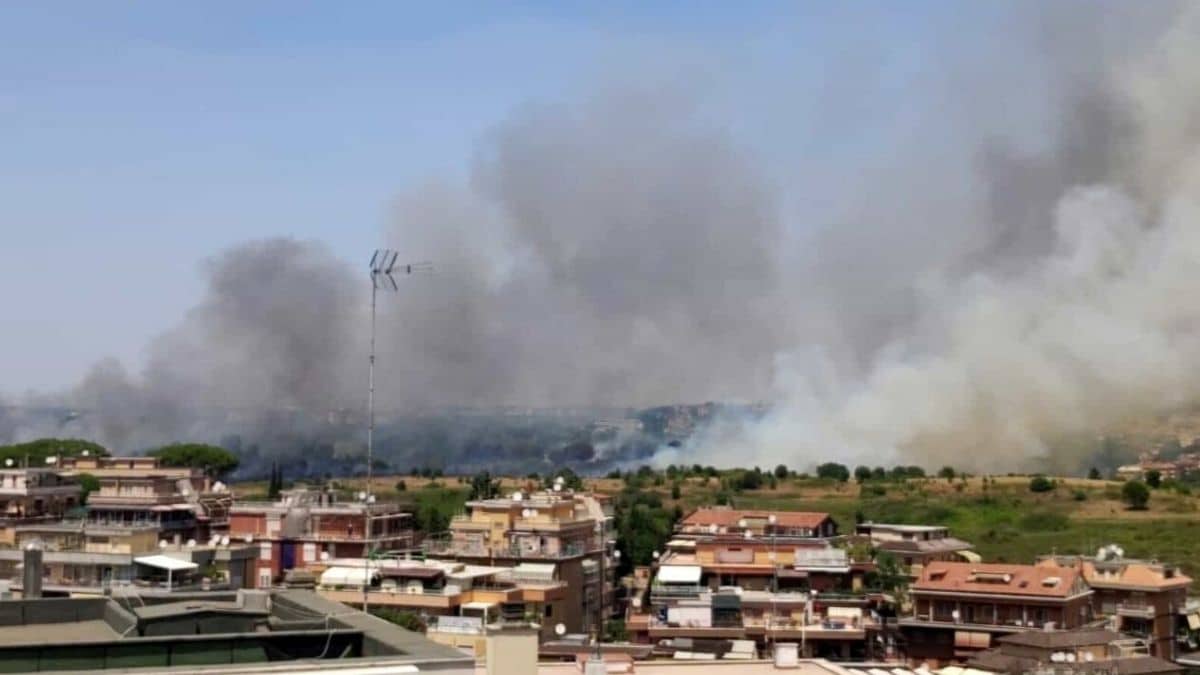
column 987, row 242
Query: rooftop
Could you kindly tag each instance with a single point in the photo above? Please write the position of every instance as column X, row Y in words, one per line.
column 722, row 517
column 244, row 631
column 993, row 579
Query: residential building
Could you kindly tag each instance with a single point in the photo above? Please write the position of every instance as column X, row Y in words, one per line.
column 959, row 609
column 561, row 528
column 84, row 559
column 762, row 577
column 182, row 503
column 307, row 526
column 716, row 520
column 227, row 633
column 34, row 495
column 1143, row 597
column 455, row 600
column 914, row 546
column 1076, row 652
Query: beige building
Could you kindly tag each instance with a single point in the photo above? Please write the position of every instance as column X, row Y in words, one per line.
column 568, row 533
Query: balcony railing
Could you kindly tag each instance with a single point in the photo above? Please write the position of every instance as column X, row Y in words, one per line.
column 1136, row 609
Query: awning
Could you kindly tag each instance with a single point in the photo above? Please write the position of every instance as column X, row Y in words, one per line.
column 348, row 576
column 970, row 556
column 679, row 574
column 543, row 571
column 478, row 606
column 166, row 562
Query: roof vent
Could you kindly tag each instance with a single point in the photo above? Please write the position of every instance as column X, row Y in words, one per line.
column 1051, row 582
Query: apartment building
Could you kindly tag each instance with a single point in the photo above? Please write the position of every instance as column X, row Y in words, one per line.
column 308, row 525
column 914, row 546
column 1144, row 598
column 182, row 503
column 959, row 608
column 1069, row 652
column 565, row 530
column 80, row 558
column 34, row 495
column 455, row 600
column 716, row 520
column 743, row 575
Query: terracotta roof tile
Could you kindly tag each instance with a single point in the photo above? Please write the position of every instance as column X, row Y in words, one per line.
column 1053, row 582
column 730, row 517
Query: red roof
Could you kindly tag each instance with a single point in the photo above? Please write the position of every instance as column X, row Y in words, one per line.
column 993, row 579
column 730, row 518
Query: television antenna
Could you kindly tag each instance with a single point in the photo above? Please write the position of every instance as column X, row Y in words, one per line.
column 383, row 276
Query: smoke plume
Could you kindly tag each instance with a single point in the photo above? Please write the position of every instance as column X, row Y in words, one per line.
column 1007, row 263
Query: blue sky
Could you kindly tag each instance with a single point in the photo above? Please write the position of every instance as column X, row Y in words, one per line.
column 138, row 138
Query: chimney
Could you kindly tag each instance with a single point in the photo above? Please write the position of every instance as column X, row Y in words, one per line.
column 512, row 649
column 32, row 578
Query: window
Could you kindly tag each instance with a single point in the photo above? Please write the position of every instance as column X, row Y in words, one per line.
column 264, row 549
column 549, row 611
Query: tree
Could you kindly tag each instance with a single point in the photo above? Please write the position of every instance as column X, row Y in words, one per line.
column 947, row 472
column 401, row 486
column 862, row 474
column 676, row 493
column 275, row 482
column 1154, row 478
column 834, row 471
column 87, row 485
column 750, row 480
column 36, row 452
column 1136, row 494
column 214, row 460
column 781, row 471
column 483, row 487
column 1040, row 484
column 1094, row 473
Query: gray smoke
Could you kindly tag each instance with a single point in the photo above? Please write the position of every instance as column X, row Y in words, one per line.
column 1062, row 310
column 1007, row 262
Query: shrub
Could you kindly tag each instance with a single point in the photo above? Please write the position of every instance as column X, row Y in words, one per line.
column 1094, row 473
column 1154, row 478
column 401, row 486
column 1135, row 494
column 947, row 472
column 1041, row 484
column 1079, row 496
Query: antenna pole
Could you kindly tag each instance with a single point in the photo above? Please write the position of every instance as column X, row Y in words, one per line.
column 371, row 400
column 383, row 267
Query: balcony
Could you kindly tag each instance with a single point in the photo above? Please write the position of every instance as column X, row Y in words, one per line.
column 1000, row 625
column 678, row 592
column 1138, row 610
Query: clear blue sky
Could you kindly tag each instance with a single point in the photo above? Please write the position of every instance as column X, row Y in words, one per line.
column 137, row 138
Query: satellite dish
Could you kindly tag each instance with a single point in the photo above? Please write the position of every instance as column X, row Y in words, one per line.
column 248, row 538
column 85, row 453
column 558, row 487
column 8, row 462
column 214, row 540
column 324, row 555
column 712, row 529
column 162, row 543
column 370, row 499
column 51, row 459
column 191, row 543
column 225, row 540
column 560, row 629
column 516, row 496
column 362, row 496
column 558, row 480
column 1070, row 657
